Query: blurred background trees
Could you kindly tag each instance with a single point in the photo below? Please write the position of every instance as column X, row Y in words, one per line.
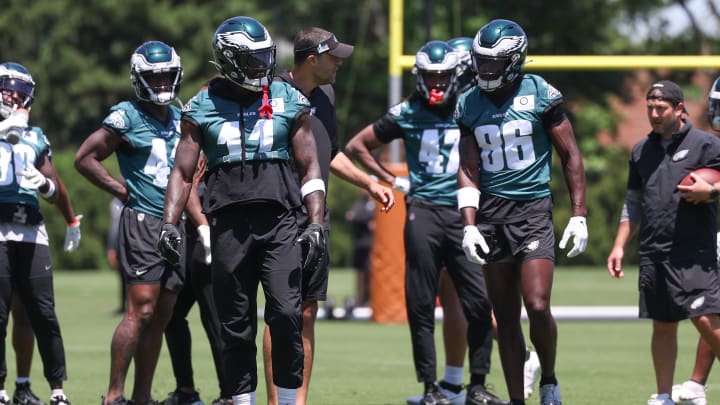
column 79, row 56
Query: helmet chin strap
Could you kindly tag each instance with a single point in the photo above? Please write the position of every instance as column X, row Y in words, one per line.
column 436, row 96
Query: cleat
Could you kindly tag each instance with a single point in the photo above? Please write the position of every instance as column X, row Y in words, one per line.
column 183, row 398
column 59, row 400
column 531, row 372
column 221, row 401
column 550, row 394
column 662, row 399
column 24, row 396
column 689, row 393
column 117, row 401
column 479, row 395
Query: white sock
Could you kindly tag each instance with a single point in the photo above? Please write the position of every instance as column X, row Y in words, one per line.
column 4, row 395
column 286, row 396
column 247, row 398
column 57, row 392
column 22, row 380
column 453, row 375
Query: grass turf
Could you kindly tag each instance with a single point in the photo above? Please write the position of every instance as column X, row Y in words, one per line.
column 371, row 364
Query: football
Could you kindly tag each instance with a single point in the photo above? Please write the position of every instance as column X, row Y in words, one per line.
column 708, row 174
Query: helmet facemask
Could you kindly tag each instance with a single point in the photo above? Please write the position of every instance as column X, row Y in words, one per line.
column 436, row 68
column 17, row 86
column 498, row 54
column 244, row 53
column 156, row 73
column 465, row 78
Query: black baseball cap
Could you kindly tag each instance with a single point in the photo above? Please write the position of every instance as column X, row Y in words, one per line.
column 315, row 41
column 666, row 90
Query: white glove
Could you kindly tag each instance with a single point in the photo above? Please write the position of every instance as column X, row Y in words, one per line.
column 402, row 184
column 32, row 178
column 472, row 240
column 204, row 233
column 72, row 235
column 577, row 228
column 18, row 118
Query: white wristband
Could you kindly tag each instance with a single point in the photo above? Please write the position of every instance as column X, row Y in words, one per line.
column 311, row 186
column 468, row 197
column 51, row 189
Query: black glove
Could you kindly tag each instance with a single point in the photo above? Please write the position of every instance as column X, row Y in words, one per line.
column 313, row 246
column 168, row 244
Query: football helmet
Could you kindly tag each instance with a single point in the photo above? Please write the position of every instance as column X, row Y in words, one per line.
column 466, row 76
column 436, row 65
column 156, row 73
column 244, row 52
column 498, row 54
column 713, row 111
column 15, row 78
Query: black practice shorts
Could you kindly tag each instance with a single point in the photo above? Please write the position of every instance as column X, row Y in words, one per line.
column 527, row 239
column 138, row 257
column 672, row 292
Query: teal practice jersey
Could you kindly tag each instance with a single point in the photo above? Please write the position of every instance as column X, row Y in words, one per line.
column 233, row 132
column 431, row 150
column 515, row 150
column 14, row 159
column 146, row 165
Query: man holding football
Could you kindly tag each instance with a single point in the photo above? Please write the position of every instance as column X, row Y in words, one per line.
column 677, row 240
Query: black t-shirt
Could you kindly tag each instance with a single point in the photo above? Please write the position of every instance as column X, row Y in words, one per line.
column 324, row 127
column 670, row 227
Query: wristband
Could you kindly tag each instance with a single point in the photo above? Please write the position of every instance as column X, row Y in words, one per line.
column 468, row 197
column 51, row 189
column 713, row 192
column 311, row 186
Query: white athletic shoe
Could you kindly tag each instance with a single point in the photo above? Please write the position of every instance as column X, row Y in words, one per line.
column 531, row 373
column 689, row 393
column 662, row 399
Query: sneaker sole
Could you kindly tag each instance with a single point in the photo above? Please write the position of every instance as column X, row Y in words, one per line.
column 458, row 400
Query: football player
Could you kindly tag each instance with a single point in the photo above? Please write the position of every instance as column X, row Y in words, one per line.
column 433, row 227
column 256, row 135
column 25, row 261
column 143, row 133
column 509, row 123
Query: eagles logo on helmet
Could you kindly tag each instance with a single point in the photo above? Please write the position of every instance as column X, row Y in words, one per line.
column 244, row 52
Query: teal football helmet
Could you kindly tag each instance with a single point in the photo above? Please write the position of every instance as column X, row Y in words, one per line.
column 15, row 78
column 244, row 53
column 713, row 112
column 156, row 72
column 498, row 54
column 466, row 76
column 436, row 65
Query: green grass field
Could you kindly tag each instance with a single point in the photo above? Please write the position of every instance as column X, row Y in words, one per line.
column 371, row 364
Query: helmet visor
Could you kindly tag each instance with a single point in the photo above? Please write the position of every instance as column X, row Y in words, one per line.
column 489, row 68
column 256, row 65
column 23, row 89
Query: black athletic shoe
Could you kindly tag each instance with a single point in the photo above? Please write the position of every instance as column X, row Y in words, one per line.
column 433, row 396
column 24, row 396
column 479, row 395
column 59, row 400
column 118, row 401
column 183, row 398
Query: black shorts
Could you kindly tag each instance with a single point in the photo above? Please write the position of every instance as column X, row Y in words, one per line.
column 672, row 292
column 527, row 239
column 138, row 257
column 315, row 283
